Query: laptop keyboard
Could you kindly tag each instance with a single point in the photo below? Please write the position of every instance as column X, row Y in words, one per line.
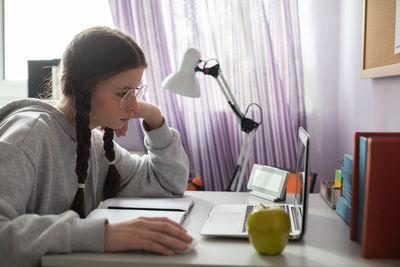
column 296, row 225
column 249, row 208
column 286, row 207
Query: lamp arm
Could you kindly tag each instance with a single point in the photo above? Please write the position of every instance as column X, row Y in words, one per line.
column 215, row 71
column 231, row 102
column 247, row 124
column 235, row 184
column 231, row 99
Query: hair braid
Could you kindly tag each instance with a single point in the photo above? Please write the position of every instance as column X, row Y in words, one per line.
column 83, row 134
column 112, row 183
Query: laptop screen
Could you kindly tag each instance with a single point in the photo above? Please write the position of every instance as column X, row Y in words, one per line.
column 302, row 172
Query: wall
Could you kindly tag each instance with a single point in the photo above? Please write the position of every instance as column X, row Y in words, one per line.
column 364, row 104
column 338, row 101
column 319, row 25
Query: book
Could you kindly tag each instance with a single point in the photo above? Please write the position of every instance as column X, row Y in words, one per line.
column 343, row 209
column 346, row 189
column 348, row 161
column 361, row 184
column 355, row 177
column 346, row 192
column 381, row 220
column 346, row 175
column 118, row 210
column 338, row 178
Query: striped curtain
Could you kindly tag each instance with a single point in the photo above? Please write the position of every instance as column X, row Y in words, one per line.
column 257, row 45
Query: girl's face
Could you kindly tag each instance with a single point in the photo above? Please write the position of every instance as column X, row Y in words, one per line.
column 107, row 96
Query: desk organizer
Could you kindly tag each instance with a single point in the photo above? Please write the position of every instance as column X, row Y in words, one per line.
column 330, row 193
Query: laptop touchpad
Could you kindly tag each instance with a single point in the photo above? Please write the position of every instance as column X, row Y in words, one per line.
column 225, row 217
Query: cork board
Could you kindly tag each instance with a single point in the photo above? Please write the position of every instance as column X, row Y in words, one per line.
column 379, row 59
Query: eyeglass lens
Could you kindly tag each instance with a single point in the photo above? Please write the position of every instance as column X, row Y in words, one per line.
column 135, row 92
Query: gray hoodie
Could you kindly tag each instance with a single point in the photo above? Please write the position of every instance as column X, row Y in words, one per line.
column 38, row 181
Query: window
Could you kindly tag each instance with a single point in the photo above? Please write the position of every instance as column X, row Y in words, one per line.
column 41, row 29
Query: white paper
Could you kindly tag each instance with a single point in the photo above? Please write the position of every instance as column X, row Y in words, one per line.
column 123, row 215
column 397, row 32
column 181, row 203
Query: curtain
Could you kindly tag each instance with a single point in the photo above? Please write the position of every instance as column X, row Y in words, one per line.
column 257, row 44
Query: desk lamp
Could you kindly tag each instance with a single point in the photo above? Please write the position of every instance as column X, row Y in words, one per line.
column 184, row 82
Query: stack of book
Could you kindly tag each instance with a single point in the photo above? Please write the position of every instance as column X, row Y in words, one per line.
column 343, row 206
column 347, row 174
column 375, row 212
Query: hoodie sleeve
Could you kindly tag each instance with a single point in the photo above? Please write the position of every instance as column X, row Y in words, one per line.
column 163, row 172
column 24, row 238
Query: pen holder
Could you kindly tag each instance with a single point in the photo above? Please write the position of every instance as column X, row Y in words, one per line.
column 330, row 193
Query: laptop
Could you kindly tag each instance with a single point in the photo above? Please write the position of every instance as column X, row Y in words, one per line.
column 231, row 220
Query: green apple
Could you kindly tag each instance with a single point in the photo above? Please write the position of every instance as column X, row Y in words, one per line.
column 268, row 229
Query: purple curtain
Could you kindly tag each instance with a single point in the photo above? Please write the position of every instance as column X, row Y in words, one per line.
column 258, row 47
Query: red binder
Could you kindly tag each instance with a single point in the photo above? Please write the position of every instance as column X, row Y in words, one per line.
column 381, row 220
column 355, row 185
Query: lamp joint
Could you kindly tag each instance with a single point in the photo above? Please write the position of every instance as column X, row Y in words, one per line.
column 248, row 125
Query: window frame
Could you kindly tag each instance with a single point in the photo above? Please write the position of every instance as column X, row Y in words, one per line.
column 9, row 90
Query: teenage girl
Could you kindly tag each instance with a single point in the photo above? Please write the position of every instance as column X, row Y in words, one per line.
column 56, row 165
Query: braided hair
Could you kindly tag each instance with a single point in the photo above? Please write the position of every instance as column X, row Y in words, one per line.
column 92, row 56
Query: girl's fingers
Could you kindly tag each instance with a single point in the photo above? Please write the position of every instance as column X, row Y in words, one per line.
column 164, row 219
column 118, row 132
column 124, row 129
column 151, row 245
column 159, row 235
column 166, row 226
column 164, row 240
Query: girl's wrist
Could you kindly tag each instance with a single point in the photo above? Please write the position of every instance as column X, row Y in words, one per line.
column 155, row 121
column 151, row 116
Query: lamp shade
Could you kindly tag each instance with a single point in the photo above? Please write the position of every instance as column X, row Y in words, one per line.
column 184, row 81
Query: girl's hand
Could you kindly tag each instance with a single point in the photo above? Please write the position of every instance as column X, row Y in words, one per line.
column 160, row 235
column 122, row 131
column 119, row 132
column 150, row 113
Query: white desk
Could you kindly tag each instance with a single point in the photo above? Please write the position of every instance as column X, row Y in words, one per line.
column 326, row 243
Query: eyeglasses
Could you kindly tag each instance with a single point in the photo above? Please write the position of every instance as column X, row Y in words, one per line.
column 137, row 92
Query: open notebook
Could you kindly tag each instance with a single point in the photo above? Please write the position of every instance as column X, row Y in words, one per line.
column 118, row 210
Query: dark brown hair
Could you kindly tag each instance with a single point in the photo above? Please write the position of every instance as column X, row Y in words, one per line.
column 93, row 56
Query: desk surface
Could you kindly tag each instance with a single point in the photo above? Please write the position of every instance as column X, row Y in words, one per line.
column 326, row 243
